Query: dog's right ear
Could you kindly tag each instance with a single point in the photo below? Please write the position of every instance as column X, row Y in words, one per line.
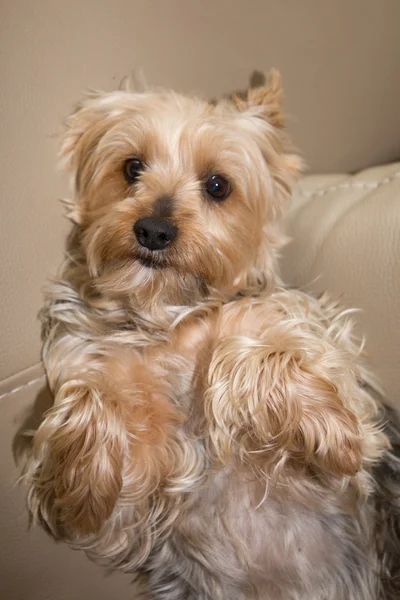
column 92, row 119
column 84, row 128
column 94, row 115
column 78, row 124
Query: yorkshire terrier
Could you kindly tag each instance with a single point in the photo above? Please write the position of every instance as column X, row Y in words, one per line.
column 212, row 430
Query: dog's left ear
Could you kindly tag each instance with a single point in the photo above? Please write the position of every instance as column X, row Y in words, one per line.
column 262, row 107
column 267, row 99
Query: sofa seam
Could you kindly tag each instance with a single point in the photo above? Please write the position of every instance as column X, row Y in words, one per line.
column 21, row 387
column 345, row 186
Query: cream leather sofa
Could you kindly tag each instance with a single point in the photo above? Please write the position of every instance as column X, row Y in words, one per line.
column 340, row 61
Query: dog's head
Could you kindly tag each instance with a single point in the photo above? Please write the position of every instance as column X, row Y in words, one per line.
column 177, row 196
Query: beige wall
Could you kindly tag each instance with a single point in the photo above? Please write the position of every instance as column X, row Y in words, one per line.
column 340, row 62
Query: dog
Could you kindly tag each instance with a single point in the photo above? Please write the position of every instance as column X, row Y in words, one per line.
column 213, row 431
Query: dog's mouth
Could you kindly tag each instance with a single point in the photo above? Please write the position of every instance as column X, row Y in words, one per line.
column 153, row 261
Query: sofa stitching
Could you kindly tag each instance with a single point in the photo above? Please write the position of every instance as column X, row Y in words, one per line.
column 21, row 387
column 345, row 186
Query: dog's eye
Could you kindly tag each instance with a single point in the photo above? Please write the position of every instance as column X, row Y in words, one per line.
column 133, row 167
column 218, row 187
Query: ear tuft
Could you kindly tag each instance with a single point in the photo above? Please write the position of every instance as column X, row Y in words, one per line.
column 268, row 96
column 77, row 124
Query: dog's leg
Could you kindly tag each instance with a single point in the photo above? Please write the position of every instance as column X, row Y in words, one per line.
column 107, row 433
column 283, row 387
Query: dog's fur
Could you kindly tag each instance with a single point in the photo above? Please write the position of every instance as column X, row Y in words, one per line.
column 210, row 427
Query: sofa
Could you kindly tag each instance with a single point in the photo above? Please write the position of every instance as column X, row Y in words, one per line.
column 340, row 63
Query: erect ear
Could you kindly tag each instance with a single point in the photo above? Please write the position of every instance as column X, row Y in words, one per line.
column 263, row 105
column 268, row 97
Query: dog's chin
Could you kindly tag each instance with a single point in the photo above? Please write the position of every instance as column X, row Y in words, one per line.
column 164, row 282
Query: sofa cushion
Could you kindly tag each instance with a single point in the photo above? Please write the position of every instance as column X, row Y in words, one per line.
column 345, row 234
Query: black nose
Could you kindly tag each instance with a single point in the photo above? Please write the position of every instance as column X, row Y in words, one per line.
column 153, row 233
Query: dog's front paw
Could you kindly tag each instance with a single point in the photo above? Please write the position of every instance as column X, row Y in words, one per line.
column 76, row 471
column 275, row 404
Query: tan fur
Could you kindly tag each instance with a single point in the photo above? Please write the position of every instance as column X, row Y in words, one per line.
column 208, row 423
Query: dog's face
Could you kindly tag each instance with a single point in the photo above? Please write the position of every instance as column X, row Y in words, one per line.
column 176, row 196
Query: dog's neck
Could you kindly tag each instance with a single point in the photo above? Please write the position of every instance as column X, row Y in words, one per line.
column 162, row 315
column 162, row 312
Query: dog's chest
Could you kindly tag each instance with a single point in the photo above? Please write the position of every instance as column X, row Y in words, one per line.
column 277, row 540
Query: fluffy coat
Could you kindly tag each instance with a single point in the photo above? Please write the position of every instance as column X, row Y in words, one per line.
column 211, row 428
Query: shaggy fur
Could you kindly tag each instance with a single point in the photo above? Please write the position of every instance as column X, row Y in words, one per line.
column 211, row 428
